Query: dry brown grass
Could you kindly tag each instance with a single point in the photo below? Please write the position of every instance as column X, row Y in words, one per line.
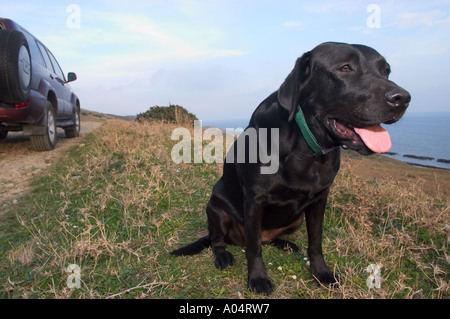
column 402, row 229
column 117, row 205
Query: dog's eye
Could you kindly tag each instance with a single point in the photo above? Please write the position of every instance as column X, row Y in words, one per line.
column 387, row 71
column 346, row 68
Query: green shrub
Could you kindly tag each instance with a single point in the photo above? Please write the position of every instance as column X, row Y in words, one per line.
column 171, row 114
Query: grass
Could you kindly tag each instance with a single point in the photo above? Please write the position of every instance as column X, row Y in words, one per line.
column 116, row 205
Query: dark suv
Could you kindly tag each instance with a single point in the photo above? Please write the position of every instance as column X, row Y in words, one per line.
column 35, row 96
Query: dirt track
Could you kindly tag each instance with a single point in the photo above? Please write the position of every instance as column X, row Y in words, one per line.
column 19, row 164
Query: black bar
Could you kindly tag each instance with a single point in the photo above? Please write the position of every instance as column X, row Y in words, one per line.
column 248, row 308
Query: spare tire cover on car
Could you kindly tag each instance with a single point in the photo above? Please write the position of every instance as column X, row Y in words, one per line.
column 15, row 67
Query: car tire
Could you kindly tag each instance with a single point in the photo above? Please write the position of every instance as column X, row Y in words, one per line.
column 74, row 130
column 3, row 135
column 15, row 67
column 47, row 141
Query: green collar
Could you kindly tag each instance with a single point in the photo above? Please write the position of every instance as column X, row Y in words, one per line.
column 307, row 134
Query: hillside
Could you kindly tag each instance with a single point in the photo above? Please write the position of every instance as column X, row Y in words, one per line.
column 116, row 205
column 433, row 181
column 92, row 116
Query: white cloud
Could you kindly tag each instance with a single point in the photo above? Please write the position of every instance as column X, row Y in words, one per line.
column 189, row 7
column 423, row 19
column 292, row 24
column 115, row 55
column 322, row 7
column 122, row 48
column 154, row 40
column 11, row 9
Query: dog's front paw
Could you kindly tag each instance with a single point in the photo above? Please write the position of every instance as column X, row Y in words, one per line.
column 327, row 278
column 261, row 285
column 224, row 260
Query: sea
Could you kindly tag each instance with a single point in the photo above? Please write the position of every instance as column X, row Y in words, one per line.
column 421, row 139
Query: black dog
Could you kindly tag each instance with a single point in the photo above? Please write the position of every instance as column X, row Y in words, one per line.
column 337, row 95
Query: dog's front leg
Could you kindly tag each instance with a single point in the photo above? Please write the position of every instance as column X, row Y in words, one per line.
column 258, row 280
column 314, row 216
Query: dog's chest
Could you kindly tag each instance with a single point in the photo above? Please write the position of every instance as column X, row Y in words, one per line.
column 307, row 178
column 292, row 199
column 298, row 187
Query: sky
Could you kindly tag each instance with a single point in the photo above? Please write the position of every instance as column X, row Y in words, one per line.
column 221, row 58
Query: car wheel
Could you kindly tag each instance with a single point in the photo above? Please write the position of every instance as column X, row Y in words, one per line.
column 47, row 141
column 74, row 130
column 3, row 135
column 15, row 67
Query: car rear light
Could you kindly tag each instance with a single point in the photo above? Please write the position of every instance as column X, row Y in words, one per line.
column 23, row 104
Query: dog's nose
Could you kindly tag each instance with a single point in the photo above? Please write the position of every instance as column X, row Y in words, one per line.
column 398, row 98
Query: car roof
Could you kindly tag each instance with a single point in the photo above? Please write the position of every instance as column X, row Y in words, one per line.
column 9, row 24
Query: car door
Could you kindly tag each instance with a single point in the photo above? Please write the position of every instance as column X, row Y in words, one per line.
column 58, row 82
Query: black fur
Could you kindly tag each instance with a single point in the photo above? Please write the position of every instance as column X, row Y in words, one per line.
column 338, row 86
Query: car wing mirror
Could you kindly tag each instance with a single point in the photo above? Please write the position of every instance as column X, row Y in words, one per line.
column 71, row 77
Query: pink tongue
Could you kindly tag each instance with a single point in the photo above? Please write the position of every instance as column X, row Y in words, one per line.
column 376, row 138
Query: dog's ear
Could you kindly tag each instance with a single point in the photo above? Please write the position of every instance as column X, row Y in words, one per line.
column 289, row 92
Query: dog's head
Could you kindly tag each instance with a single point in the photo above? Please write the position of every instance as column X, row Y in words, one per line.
column 345, row 93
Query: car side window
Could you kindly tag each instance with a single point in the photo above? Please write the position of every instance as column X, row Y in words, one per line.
column 36, row 55
column 46, row 58
column 59, row 72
